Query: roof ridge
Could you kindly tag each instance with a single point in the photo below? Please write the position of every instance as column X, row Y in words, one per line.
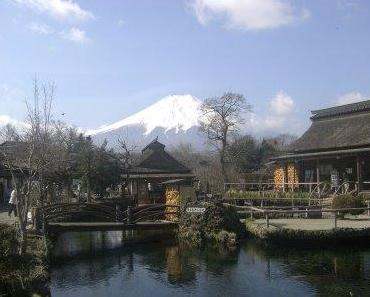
column 341, row 109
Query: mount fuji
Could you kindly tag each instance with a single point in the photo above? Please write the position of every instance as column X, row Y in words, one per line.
column 174, row 119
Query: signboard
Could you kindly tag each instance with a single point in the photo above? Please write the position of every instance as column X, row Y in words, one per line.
column 195, row 209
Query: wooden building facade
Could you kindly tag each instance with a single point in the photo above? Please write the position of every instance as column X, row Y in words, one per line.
column 334, row 150
column 156, row 174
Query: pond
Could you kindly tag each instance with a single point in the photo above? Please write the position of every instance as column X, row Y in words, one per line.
column 83, row 266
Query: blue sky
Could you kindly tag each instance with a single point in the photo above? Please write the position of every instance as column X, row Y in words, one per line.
column 110, row 59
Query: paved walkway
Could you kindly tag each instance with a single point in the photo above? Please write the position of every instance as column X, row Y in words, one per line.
column 362, row 222
column 4, row 218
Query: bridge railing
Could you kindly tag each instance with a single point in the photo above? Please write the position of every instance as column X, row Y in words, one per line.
column 152, row 211
column 97, row 211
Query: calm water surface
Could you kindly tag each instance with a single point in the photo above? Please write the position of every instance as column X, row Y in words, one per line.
column 171, row 270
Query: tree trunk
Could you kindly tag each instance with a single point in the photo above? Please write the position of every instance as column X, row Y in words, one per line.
column 223, row 161
column 88, row 190
column 22, row 227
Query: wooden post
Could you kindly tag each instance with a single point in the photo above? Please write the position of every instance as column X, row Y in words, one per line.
column 317, row 171
column 251, row 209
column 358, row 171
column 368, row 207
column 318, row 176
column 267, row 220
column 335, row 220
column 285, row 173
column 129, row 215
column 118, row 209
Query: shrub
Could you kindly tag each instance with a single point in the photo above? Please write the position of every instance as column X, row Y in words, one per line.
column 8, row 242
column 218, row 224
column 348, row 201
column 235, row 194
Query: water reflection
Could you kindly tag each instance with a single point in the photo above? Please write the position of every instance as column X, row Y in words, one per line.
column 169, row 269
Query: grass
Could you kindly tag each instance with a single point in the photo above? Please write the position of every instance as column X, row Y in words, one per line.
column 286, row 236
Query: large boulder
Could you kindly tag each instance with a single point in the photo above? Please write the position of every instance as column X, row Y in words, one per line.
column 218, row 224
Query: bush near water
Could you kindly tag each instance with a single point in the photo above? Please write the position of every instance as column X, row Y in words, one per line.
column 218, row 225
column 348, row 201
column 20, row 275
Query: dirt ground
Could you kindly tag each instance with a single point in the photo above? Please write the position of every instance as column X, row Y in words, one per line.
column 4, row 218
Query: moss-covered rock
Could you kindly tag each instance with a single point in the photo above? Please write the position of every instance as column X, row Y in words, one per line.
column 218, row 224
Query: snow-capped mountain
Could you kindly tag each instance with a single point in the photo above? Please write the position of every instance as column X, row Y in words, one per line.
column 173, row 119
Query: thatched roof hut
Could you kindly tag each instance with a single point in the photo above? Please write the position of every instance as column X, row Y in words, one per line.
column 153, row 171
column 340, row 127
column 335, row 148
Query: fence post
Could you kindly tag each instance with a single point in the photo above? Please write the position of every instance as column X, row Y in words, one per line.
column 118, row 208
column 267, row 220
column 368, row 207
column 335, row 220
column 129, row 215
column 251, row 212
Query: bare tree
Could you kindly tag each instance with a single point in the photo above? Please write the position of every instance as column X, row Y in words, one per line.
column 126, row 158
column 9, row 133
column 222, row 117
column 30, row 156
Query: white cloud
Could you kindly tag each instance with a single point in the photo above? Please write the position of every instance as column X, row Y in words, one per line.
column 350, row 97
column 61, row 9
column 41, row 29
column 282, row 104
column 249, row 14
column 347, row 4
column 281, row 108
column 76, row 35
column 120, row 22
column 5, row 120
column 73, row 34
column 12, row 105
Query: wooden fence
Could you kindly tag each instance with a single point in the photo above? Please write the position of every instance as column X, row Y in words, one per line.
column 267, row 213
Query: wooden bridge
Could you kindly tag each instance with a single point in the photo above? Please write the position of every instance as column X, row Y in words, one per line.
column 101, row 217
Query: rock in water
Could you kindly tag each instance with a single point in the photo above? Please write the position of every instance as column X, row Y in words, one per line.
column 216, row 225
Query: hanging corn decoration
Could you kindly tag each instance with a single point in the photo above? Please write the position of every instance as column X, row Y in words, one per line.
column 279, row 174
column 292, row 176
column 286, row 174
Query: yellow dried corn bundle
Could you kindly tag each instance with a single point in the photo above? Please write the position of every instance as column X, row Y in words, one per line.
column 172, row 198
column 279, row 177
column 292, row 172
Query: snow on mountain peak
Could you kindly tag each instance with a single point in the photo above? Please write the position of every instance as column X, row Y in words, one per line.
column 179, row 112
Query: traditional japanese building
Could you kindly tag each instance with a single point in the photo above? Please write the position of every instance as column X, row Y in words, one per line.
column 10, row 149
column 335, row 149
column 158, row 176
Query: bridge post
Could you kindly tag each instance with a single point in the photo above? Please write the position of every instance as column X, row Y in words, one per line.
column 118, row 210
column 129, row 215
